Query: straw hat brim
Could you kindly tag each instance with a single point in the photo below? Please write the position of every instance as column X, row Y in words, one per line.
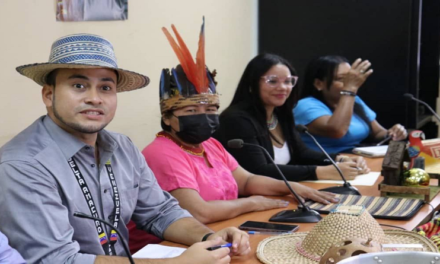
column 127, row 80
column 281, row 249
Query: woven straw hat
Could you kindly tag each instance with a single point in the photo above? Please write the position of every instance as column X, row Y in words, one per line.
column 343, row 223
column 81, row 51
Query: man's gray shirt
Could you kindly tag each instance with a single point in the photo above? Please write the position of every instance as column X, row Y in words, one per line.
column 39, row 193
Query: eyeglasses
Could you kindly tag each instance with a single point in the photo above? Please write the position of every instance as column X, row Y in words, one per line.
column 274, row 81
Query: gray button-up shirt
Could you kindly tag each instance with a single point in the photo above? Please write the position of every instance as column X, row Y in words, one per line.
column 39, row 193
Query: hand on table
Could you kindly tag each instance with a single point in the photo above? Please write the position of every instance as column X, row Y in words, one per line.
column 360, row 163
column 329, row 172
column 262, row 203
column 238, row 238
column 314, row 195
column 198, row 253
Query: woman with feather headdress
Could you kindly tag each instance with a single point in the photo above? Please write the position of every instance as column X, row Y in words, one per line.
column 194, row 167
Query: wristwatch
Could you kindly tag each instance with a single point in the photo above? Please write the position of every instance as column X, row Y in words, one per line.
column 350, row 93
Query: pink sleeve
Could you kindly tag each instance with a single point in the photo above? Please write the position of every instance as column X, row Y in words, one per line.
column 228, row 159
column 170, row 165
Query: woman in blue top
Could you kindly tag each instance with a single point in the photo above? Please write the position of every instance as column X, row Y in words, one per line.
column 333, row 112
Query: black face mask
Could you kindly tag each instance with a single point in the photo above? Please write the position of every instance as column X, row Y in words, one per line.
column 194, row 129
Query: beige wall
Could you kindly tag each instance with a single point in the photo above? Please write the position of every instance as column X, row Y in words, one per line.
column 28, row 28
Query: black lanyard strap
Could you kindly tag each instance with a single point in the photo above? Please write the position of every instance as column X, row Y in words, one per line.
column 109, row 250
column 117, row 202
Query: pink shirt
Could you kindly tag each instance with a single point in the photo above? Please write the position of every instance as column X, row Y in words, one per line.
column 175, row 168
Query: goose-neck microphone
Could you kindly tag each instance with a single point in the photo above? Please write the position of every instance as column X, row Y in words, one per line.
column 409, row 96
column 346, row 188
column 83, row 215
column 303, row 214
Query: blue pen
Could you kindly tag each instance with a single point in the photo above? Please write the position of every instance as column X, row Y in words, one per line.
column 267, row 233
column 221, row 246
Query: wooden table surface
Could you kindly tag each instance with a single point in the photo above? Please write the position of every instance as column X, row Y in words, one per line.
column 422, row 216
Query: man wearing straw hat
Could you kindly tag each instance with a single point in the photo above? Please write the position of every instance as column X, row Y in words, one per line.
column 65, row 162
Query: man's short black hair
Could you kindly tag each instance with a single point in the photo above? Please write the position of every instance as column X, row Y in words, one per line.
column 51, row 78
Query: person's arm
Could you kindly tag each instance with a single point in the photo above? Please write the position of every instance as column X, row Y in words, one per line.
column 398, row 132
column 7, row 253
column 34, row 218
column 337, row 124
column 250, row 184
column 378, row 131
column 189, row 230
column 217, row 210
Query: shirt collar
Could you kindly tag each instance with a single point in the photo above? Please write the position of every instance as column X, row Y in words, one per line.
column 70, row 145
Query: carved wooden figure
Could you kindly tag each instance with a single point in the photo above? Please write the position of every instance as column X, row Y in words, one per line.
column 392, row 166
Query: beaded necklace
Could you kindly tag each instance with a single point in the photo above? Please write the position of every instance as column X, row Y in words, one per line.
column 197, row 151
column 273, row 122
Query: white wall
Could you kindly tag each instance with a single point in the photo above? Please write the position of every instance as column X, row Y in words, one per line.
column 28, row 28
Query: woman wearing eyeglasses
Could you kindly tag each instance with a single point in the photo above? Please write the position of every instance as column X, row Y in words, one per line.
column 261, row 114
column 333, row 112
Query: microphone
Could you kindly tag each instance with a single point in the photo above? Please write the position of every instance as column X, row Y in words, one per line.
column 83, row 215
column 303, row 214
column 409, row 96
column 344, row 189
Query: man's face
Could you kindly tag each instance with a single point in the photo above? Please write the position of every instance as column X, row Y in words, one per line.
column 83, row 101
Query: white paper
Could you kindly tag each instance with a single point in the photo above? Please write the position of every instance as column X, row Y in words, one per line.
column 155, row 251
column 364, row 180
column 376, row 151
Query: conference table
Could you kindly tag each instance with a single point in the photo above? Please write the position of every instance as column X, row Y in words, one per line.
column 375, row 164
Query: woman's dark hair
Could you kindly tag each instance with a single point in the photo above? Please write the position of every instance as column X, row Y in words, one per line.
column 324, row 69
column 248, row 91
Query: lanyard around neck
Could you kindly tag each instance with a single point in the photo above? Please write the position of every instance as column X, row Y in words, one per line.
column 109, row 250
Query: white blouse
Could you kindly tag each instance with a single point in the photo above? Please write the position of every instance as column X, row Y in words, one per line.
column 282, row 155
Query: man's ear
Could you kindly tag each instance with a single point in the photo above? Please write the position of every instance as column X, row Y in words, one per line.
column 319, row 85
column 48, row 94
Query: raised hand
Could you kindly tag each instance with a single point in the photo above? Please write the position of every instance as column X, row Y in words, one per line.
column 357, row 75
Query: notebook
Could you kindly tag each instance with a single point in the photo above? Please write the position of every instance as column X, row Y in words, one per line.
column 371, row 152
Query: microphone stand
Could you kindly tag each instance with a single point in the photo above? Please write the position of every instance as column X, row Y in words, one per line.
column 301, row 215
column 346, row 188
column 411, row 97
column 82, row 215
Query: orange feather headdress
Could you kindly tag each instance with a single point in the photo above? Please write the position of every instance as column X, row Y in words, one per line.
column 190, row 82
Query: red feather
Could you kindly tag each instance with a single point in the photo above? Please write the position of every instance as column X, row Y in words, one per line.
column 200, row 60
column 191, row 74
column 177, row 50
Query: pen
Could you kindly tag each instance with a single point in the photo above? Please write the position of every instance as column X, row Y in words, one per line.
column 267, row 233
column 384, row 140
column 221, row 246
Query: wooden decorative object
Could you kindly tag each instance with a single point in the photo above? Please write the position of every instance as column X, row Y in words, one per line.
column 348, row 248
column 392, row 171
column 385, row 189
column 392, row 166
